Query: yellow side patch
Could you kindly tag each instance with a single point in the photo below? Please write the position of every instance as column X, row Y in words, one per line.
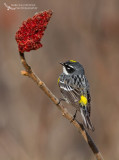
column 72, row 61
column 83, row 100
column 58, row 80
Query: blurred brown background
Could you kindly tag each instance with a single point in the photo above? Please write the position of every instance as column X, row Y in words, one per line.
column 31, row 127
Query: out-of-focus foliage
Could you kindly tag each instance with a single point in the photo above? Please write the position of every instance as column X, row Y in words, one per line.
column 31, row 128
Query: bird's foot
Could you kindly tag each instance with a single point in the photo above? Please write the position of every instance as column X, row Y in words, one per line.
column 74, row 117
column 61, row 99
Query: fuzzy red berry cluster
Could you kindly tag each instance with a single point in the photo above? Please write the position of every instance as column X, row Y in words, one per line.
column 32, row 30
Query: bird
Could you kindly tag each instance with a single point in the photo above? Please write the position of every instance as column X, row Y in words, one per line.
column 75, row 90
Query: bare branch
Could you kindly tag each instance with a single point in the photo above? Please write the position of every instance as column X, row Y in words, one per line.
column 28, row 72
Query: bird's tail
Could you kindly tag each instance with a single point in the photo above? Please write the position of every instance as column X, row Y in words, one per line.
column 87, row 120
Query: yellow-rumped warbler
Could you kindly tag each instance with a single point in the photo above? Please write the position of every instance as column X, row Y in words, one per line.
column 75, row 89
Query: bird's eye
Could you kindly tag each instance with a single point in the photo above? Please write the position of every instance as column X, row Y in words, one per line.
column 70, row 69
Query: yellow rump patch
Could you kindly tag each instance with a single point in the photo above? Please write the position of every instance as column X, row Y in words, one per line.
column 83, row 100
column 72, row 61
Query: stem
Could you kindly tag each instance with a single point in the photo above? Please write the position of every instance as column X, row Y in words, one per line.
column 28, row 72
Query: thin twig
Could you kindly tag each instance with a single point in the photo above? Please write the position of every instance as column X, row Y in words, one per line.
column 28, row 72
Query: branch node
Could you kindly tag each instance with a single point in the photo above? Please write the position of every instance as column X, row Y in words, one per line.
column 24, row 73
column 64, row 112
column 41, row 83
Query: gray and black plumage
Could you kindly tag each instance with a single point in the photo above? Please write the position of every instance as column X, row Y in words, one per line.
column 75, row 89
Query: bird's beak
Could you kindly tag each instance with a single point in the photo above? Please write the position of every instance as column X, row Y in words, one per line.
column 61, row 63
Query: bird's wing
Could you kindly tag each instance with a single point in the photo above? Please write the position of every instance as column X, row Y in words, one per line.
column 72, row 91
column 69, row 90
column 70, row 94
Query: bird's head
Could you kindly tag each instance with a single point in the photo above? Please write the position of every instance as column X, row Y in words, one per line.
column 71, row 66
